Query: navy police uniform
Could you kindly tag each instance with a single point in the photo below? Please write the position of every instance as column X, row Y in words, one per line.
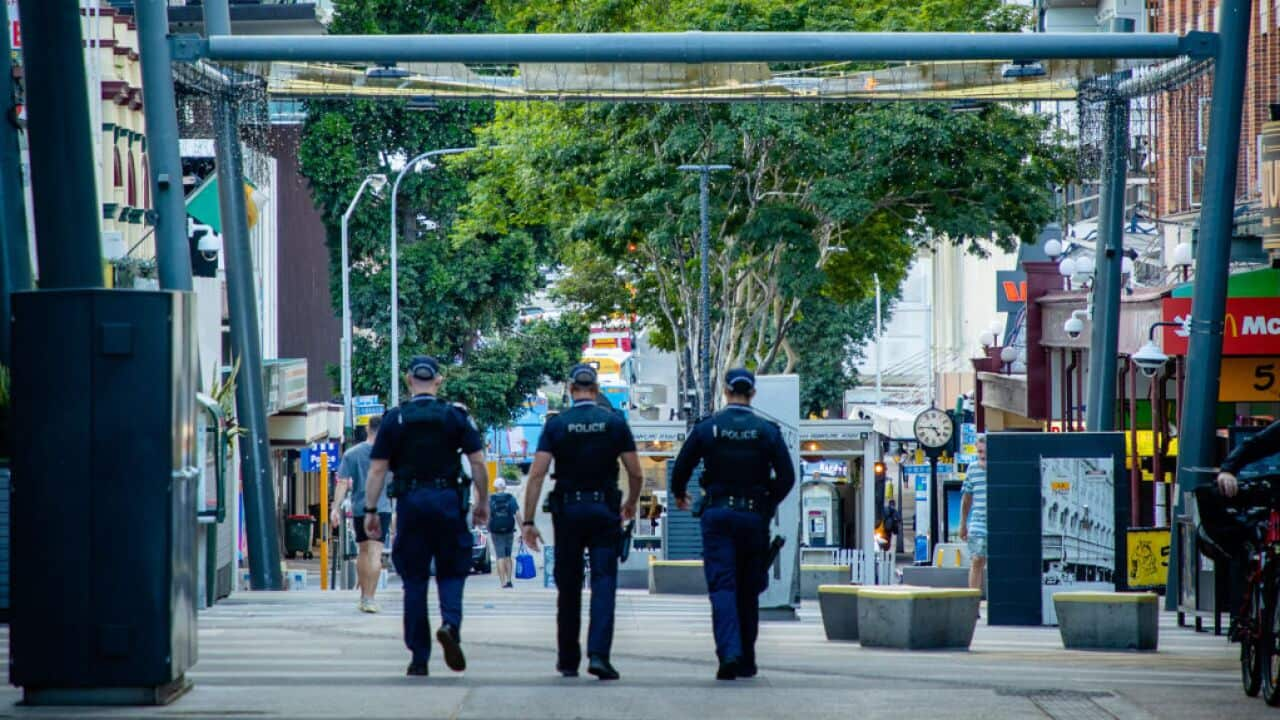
column 737, row 448
column 423, row 441
column 586, row 441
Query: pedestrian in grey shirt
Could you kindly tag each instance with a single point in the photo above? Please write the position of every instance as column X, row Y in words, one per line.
column 352, row 474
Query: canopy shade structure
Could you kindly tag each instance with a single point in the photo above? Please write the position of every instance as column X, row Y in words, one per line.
column 992, row 80
column 695, row 66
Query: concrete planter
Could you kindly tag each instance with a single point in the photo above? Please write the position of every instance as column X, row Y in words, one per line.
column 940, row 577
column 917, row 618
column 677, row 577
column 1108, row 620
column 839, row 605
column 814, row 576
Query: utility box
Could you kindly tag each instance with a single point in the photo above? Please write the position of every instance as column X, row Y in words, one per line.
column 103, row 496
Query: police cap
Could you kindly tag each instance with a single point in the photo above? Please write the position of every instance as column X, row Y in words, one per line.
column 740, row 380
column 424, row 367
column 583, row 374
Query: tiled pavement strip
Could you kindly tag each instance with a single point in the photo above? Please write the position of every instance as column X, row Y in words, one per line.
column 310, row 654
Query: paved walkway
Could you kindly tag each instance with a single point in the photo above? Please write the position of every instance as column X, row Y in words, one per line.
column 310, row 654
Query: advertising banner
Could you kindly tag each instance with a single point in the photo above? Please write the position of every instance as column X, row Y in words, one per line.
column 1251, row 326
column 1078, row 532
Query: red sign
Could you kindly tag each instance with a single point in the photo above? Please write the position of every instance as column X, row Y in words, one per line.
column 1250, row 327
column 15, row 29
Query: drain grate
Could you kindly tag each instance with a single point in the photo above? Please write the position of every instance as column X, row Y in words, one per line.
column 1065, row 704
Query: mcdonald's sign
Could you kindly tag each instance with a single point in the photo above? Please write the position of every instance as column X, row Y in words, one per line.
column 1251, row 326
column 1011, row 290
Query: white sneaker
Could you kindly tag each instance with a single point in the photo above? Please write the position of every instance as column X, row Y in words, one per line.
column 368, row 606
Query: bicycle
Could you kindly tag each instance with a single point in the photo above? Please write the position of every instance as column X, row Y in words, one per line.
column 1254, row 524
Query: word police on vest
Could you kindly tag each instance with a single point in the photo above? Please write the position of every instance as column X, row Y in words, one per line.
column 729, row 434
column 594, row 427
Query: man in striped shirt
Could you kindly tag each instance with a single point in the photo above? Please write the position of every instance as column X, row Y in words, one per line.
column 973, row 514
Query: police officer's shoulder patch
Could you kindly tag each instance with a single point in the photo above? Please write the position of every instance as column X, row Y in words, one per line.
column 466, row 413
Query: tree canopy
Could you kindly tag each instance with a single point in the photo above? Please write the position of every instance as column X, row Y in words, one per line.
column 820, row 200
column 458, row 283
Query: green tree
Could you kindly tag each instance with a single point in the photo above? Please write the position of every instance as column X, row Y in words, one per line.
column 821, row 197
column 458, row 282
column 501, row 374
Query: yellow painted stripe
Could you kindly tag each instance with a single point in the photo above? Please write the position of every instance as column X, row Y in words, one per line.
column 825, row 568
column 838, row 589
column 677, row 563
column 911, row 592
column 1092, row 596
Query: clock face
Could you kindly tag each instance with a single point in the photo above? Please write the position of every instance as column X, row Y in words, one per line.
column 934, row 428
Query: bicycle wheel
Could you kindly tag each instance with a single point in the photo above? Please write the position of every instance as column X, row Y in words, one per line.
column 1250, row 647
column 1269, row 657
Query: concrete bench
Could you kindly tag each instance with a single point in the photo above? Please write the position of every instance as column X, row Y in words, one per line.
column 677, row 577
column 839, row 605
column 1108, row 620
column 930, row 576
column 917, row 618
column 813, row 577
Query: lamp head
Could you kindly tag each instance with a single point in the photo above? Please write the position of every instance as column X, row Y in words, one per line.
column 377, row 181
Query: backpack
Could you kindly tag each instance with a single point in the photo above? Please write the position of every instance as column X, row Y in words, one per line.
column 502, row 514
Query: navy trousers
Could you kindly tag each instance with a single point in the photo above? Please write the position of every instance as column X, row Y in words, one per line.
column 581, row 528
column 430, row 526
column 735, row 546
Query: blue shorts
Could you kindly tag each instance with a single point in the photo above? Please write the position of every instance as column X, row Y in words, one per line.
column 502, row 544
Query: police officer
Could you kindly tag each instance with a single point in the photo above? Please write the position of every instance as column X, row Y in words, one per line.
column 421, row 442
column 586, row 442
column 737, row 448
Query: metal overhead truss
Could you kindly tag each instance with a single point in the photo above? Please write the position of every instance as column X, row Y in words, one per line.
column 696, row 66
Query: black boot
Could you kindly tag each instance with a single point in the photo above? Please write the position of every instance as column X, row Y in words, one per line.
column 728, row 669
column 416, row 669
column 601, row 668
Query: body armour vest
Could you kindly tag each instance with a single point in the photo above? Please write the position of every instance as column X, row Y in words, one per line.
column 424, row 453
column 737, row 462
column 586, row 450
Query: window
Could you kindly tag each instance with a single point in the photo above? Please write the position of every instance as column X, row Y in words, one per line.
column 117, row 179
column 1202, row 123
column 1195, row 180
column 146, row 182
column 131, row 191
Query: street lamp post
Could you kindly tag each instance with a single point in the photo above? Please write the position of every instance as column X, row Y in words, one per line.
column 704, row 296
column 395, row 266
column 377, row 181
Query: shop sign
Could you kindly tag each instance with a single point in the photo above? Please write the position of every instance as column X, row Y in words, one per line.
column 14, row 29
column 1148, row 556
column 1011, row 290
column 1249, row 379
column 1270, row 171
column 1251, row 326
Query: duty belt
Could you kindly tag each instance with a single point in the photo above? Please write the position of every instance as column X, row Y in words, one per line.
column 738, row 503
column 582, row 496
column 436, row 484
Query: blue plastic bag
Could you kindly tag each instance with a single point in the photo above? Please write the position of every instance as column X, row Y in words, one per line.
column 525, row 569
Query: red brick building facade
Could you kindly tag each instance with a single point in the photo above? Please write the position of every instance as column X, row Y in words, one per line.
column 1182, row 116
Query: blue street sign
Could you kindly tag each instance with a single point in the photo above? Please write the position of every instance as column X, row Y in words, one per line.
column 311, row 456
